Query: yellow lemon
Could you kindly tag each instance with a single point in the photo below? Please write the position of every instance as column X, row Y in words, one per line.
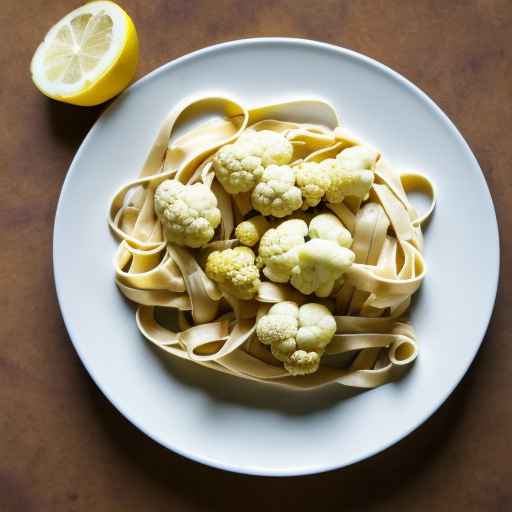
column 89, row 56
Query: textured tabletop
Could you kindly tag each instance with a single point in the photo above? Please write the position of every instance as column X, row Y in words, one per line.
column 63, row 447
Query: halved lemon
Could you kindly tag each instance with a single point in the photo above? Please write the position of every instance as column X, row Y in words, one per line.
column 89, row 56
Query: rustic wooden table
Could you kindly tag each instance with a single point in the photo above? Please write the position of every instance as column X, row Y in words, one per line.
column 64, row 447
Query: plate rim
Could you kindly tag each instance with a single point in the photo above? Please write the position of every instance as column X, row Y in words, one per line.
column 298, row 470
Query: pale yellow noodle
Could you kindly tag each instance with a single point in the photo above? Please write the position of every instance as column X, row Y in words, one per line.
column 373, row 337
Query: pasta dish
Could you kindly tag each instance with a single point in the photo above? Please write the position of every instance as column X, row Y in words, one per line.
column 273, row 250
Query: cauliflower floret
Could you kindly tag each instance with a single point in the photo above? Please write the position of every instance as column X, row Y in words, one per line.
column 239, row 166
column 313, row 182
column 278, row 328
column 350, row 173
column 276, row 193
column 328, row 227
column 235, row 270
column 276, row 251
column 297, row 336
column 250, row 231
column 317, row 327
column 271, row 147
column 188, row 213
column 358, row 157
column 302, row 363
column 237, row 170
column 319, row 264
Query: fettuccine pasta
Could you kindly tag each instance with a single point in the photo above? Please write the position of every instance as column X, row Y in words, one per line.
column 373, row 344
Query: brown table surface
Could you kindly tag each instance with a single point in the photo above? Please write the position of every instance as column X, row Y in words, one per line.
column 64, row 447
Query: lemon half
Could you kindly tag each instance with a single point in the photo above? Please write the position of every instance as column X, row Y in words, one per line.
column 89, row 56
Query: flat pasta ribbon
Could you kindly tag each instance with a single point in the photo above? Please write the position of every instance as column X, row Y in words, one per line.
column 373, row 344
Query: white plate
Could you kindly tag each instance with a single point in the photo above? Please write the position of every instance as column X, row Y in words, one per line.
column 253, row 428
